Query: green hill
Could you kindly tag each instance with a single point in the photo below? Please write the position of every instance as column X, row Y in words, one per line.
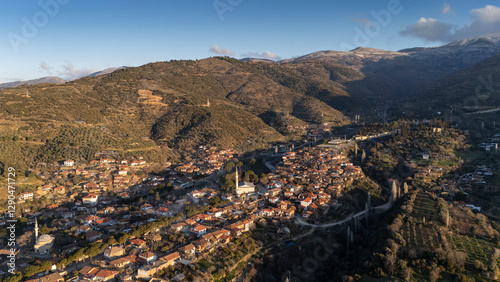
column 161, row 106
column 157, row 107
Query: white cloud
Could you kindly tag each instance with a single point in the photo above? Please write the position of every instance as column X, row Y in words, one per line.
column 429, row 29
column 488, row 14
column 221, row 51
column 446, row 8
column 266, row 55
column 71, row 72
column 484, row 21
column 45, row 67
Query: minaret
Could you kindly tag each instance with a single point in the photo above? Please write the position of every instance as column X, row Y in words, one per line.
column 208, row 102
column 36, row 230
column 236, row 178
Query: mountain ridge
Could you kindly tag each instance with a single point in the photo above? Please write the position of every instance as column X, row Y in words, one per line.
column 46, row 79
column 106, row 71
column 163, row 109
column 55, row 79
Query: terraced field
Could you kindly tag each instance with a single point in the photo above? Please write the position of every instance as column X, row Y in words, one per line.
column 426, row 235
column 425, row 207
column 419, row 236
column 475, row 248
column 421, row 229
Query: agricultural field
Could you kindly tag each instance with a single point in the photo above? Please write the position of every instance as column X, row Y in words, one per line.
column 447, row 163
column 94, row 136
column 79, row 142
column 419, row 236
column 83, row 142
column 475, row 248
column 422, row 227
column 205, row 264
column 425, row 209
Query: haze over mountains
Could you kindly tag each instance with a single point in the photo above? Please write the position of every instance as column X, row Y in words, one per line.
column 245, row 104
column 47, row 79
column 402, row 72
column 407, row 71
column 53, row 79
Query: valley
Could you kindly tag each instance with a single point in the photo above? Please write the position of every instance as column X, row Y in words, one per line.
column 366, row 165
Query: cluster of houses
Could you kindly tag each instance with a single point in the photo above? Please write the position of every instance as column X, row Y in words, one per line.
column 208, row 161
column 135, row 253
column 102, row 167
column 106, row 175
column 477, row 177
column 143, row 265
column 427, row 173
column 206, row 231
column 311, row 130
column 307, row 181
column 492, row 144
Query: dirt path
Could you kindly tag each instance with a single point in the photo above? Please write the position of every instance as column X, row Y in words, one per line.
column 142, row 149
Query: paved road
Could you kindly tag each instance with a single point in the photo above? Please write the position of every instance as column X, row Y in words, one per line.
column 460, row 179
column 484, row 112
column 299, row 220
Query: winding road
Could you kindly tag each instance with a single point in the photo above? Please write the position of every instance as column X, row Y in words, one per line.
column 300, row 221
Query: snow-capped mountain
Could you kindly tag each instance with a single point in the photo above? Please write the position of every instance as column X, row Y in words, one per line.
column 106, row 71
column 54, row 79
column 47, row 79
column 406, row 71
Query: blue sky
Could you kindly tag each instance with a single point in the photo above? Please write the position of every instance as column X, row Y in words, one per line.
column 71, row 38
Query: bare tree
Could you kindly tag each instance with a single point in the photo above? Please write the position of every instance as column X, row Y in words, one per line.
column 390, row 262
column 461, row 258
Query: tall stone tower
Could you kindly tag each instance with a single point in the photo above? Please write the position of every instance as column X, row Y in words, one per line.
column 36, row 230
column 236, row 176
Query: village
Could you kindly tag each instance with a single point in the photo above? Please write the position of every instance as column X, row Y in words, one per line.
column 117, row 219
column 109, row 220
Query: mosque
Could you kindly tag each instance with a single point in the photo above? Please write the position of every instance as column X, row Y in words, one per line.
column 243, row 187
column 44, row 243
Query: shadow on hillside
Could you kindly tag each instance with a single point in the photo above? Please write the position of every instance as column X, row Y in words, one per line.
column 391, row 80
